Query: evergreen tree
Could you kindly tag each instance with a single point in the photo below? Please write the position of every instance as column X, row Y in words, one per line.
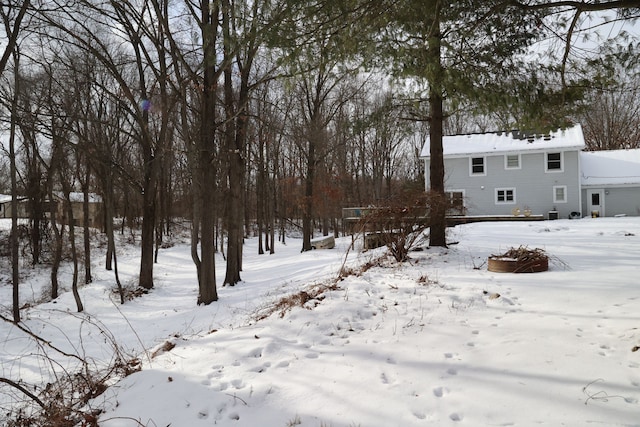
column 459, row 52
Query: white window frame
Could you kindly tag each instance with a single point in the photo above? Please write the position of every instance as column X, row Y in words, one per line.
column 546, row 162
column 506, row 161
column 505, row 201
column 462, row 191
column 484, row 166
column 555, row 193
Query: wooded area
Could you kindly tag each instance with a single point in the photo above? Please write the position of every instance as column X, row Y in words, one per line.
column 252, row 117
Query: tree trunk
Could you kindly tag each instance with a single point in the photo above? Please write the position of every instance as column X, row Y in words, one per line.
column 74, row 252
column 85, row 226
column 108, row 223
column 307, row 228
column 111, row 260
column 235, row 137
column 437, row 232
column 205, row 175
column 148, row 222
column 58, row 236
column 15, row 272
column 261, row 196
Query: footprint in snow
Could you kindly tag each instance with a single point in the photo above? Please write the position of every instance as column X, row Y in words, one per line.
column 440, row 391
column 260, row 368
column 237, row 384
column 384, row 379
column 419, row 415
column 215, row 374
column 256, row 352
column 456, row 417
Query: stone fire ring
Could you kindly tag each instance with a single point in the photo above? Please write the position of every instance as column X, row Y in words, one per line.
column 500, row 264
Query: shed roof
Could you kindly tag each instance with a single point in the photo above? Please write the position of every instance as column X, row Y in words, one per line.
column 509, row 142
column 610, row 168
column 77, row 197
column 6, row 198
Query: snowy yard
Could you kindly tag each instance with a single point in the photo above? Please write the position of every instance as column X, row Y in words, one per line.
column 438, row 341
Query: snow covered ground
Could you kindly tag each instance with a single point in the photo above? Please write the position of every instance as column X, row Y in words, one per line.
column 425, row 343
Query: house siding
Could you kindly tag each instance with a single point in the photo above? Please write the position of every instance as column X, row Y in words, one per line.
column 617, row 200
column 533, row 185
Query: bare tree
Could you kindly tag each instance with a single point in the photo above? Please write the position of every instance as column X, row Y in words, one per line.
column 15, row 272
column 12, row 13
column 611, row 120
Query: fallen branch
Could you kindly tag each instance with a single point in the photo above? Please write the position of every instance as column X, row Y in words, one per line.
column 41, row 340
column 23, row 390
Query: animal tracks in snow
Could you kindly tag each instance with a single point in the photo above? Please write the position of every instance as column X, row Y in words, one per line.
column 440, row 391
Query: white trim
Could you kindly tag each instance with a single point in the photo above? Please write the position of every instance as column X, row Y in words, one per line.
column 506, row 161
column 555, row 199
column 464, row 195
column 601, row 196
column 546, row 162
column 484, row 166
column 505, row 202
column 588, row 186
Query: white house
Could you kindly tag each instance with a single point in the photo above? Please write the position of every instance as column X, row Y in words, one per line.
column 505, row 172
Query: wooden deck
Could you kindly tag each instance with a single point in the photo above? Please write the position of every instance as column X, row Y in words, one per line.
column 461, row 219
column 354, row 219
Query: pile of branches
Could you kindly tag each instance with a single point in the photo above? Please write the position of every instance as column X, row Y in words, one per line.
column 523, row 254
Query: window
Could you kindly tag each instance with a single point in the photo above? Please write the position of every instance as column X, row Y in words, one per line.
column 554, row 162
column 512, row 161
column 560, row 194
column 505, row 196
column 455, row 202
column 477, row 166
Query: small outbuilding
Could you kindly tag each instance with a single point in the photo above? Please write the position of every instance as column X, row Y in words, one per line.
column 5, row 206
column 611, row 182
column 96, row 212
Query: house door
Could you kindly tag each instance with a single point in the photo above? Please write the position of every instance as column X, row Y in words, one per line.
column 595, row 202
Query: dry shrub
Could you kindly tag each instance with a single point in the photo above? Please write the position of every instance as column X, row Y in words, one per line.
column 65, row 400
column 313, row 293
column 400, row 225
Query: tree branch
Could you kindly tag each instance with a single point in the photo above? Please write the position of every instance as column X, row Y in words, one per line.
column 24, row 390
column 580, row 6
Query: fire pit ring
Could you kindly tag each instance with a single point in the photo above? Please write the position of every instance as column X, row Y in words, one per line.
column 519, row 260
